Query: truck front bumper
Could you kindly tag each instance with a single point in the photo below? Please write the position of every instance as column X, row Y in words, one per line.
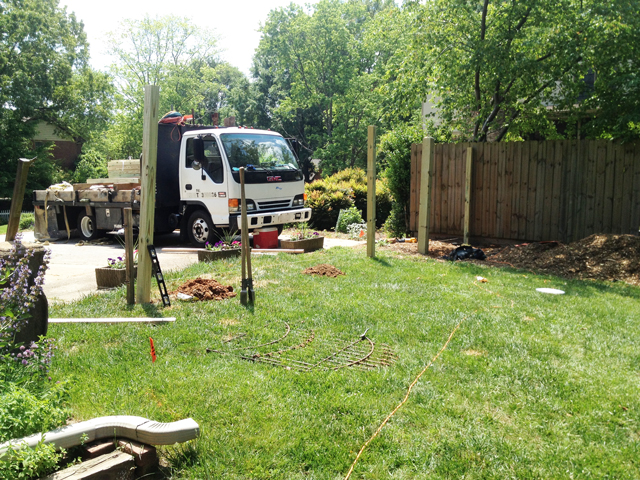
column 269, row 219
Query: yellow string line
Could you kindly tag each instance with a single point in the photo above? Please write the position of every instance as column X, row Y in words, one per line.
column 401, row 403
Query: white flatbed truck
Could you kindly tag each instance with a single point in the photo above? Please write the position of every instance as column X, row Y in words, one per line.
column 197, row 188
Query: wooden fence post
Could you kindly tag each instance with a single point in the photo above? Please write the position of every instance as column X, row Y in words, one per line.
column 128, row 252
column 428, row 148
column 467, row 194
column 371, row 192
column 17, row 198
column 148, row 194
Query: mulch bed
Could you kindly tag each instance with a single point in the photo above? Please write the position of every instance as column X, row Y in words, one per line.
column 323, row 269
column 598, row 257
column 206, row 289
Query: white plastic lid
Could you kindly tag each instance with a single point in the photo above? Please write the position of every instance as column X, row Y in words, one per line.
column 267, row 230
column 552, row 291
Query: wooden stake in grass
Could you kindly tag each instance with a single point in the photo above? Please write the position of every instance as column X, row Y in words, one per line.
column 148, row 184
column 371, row 192
column 17, row 199
column 425, row 195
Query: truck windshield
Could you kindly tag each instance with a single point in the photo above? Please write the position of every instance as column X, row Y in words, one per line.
column 269, row 152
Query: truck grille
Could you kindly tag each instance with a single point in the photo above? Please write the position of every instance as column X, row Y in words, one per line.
column 274, row 205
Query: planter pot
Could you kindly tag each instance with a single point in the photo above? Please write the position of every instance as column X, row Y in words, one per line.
column 213, row 255
column 308, row 244
column 112, row 277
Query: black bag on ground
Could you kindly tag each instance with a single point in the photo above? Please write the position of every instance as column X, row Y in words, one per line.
column 464, row 252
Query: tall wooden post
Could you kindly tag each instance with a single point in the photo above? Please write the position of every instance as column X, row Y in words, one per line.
column 425, row 195
column 148, row 193
column 18, row 196
column 128, row 253
column 371, row 192
column 467, row 194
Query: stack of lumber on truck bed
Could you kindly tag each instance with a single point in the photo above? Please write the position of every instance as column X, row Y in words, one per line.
column 120, row 172
column 124, row 168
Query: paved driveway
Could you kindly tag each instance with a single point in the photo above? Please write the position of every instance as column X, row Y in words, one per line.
column 71, row 273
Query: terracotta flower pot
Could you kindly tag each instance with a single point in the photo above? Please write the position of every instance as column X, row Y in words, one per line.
column 308, row 244
column 112, row 277
column 212, row 255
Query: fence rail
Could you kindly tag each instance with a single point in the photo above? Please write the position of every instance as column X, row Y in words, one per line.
column 549, row 190
column 5, row 213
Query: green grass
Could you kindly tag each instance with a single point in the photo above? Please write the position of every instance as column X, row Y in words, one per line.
column 531, row 386
column 3, row 229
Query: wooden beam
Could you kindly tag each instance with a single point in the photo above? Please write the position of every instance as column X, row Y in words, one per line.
column 18, row 197
column 428, row 149
column 113, row 320
column 467, row 194
column 371, row 192
column 128, row 253
column 148, row 197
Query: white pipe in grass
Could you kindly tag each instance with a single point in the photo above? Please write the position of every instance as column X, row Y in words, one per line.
column 128, row 427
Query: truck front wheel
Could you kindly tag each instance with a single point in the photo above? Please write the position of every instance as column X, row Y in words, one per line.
column 87, row 227
column 200, row 228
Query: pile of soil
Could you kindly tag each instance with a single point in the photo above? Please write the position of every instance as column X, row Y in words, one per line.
column 598, row 257
column 323, row 269
column 206, row 289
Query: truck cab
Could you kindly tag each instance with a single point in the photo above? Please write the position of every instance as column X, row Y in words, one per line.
column 210, row 161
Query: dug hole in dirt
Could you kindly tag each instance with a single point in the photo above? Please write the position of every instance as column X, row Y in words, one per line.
column 206, row 289
column 324, row 270
column 597, row 257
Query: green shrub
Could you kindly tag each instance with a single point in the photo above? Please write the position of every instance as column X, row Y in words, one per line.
column 27, row 221
column 23, row 412
column 30, row 463
column 91, row 165
column 345, row 189
column 396, row 224
column 348, row 217
column 395, row 151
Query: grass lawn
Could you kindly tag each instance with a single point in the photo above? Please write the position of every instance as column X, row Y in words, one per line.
column 3, row 229
column 531, row 385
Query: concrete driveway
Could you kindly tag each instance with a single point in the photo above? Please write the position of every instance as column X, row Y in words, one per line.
column 71, row 274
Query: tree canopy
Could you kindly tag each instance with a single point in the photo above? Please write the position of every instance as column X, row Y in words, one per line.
column 44, row 76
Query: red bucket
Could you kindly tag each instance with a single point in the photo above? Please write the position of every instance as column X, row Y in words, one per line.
column 265, row 238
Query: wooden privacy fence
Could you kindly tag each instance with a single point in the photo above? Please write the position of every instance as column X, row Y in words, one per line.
column 551, row 190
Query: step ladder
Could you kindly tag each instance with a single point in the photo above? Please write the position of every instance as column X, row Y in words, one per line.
column 157, row 272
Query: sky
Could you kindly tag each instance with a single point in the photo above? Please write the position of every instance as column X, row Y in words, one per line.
column 235, row 22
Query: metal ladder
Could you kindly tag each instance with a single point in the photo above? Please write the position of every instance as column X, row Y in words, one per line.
column 155, row 269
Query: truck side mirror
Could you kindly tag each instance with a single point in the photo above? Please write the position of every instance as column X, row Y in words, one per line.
column 198, row 149
column 295, row 145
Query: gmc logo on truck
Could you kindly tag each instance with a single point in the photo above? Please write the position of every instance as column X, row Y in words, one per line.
column 274, row 179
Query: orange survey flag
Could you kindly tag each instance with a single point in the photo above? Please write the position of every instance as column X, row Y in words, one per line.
column 153, row 350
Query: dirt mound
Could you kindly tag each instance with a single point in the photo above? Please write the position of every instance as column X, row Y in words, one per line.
column 206, row 289
column 599, row 257
column 323, row 269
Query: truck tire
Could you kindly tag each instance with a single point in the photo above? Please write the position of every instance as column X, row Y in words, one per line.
column 87, row 227
column 200, row 229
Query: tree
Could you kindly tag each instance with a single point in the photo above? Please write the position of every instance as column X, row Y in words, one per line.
column 43, row 54
column 496, row 68
column 183, row 60
column 317, row 78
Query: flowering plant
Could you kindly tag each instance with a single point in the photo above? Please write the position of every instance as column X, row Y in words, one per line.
column 303, row 232
column 119, row 263
column 17, row 298
column 222, row 245
column 227, row 242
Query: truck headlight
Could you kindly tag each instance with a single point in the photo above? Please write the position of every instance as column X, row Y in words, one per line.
column 298, row 200
column 235, row 207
